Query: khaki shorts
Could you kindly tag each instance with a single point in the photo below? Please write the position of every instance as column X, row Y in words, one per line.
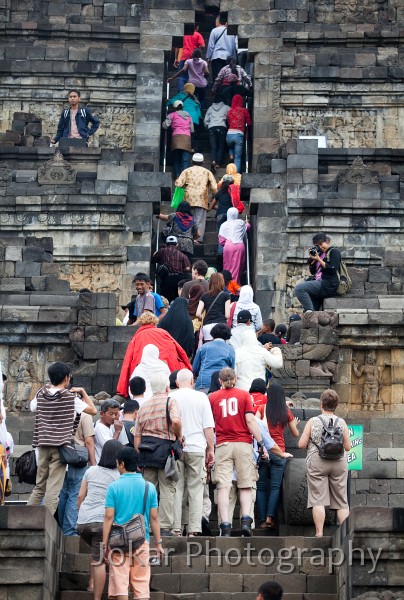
column 133, row 570
column 239, row 455
column 327, row 482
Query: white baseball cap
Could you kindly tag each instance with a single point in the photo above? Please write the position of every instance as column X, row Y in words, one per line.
column 197, row 157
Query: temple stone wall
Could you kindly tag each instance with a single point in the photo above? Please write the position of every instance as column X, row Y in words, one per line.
column 49, row 47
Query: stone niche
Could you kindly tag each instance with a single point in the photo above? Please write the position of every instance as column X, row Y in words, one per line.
column 372, row 381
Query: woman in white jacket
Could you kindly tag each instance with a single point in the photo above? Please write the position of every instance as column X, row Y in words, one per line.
column 252, row 360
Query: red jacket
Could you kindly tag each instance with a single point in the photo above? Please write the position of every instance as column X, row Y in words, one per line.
column 170, row 351
column 238, row 117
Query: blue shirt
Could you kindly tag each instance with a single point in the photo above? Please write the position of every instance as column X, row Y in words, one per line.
column 125, row 496
column 213, row 356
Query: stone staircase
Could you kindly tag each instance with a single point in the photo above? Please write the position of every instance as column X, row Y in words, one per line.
column 214, row 568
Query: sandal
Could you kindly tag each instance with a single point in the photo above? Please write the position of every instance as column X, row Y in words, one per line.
column 270, row 524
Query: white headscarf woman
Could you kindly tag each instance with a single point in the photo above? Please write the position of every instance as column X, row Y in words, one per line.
column 245, row 302
column 149, row 365
column 231, row 236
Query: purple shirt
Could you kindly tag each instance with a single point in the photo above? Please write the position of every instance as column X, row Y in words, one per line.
column 196, row 70
column 319, row 272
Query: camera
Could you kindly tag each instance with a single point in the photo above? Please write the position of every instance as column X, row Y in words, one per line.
column 315, row 250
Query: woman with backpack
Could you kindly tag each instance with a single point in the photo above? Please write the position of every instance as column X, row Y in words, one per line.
column 278, row 418
column 326, row 477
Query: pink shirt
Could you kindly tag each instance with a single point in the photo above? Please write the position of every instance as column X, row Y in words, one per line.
column 74, row 132
column 180, row 125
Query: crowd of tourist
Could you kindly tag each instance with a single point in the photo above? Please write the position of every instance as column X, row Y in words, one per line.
column 196, row 403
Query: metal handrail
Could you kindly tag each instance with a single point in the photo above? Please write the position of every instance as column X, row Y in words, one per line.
column 247, row 253
column 165, row 131
column 157, row 248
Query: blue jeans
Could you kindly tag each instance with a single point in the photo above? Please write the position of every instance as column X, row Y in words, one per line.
column 67, row 508
column 183, row 78
column 309, row 294
column 180, row 161
column 268, row 507
column 235, row 142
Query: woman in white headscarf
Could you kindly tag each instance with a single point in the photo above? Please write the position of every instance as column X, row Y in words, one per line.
column 149, row 365
column 231, row 237
column 245, row 302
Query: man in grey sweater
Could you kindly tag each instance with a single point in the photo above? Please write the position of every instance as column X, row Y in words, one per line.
column 216, row 122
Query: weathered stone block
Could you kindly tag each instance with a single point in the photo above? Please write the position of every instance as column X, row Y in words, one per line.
column 112, row 173
column 13, row 253
column 95, row 350
column 27, row 269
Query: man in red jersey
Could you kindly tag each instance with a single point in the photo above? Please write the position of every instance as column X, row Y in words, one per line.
column 235, row 426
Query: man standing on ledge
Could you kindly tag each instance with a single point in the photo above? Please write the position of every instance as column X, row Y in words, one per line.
column 197, row 181
column 324, row 264
column 73, row 122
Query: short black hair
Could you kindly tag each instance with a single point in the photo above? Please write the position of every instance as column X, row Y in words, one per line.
column 57, row 372
column 320, row 237
column 181, row 283
column 227, row 276
column 197, row 53
column 280, row 329
column 141, row 277
column 173, row 380
column 271, row 590
column 107, row 404
column 137, row 386
column 258, row 385
column 221, row 330
column 129, row 457
column 270, row 323
column 201, row 267
column 74, row 90
column 130, row 406
column 109, row 454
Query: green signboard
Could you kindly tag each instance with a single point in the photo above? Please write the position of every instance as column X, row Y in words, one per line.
column 354, row 456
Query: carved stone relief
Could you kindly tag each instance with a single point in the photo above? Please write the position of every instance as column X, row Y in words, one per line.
column 95, row 277
column 56, row 171
column 358, row 173
column 351, row 11
column 346, row 129
column 371, row 381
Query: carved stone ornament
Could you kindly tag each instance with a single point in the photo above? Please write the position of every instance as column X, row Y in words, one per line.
column 56, row 171
column 358, row 173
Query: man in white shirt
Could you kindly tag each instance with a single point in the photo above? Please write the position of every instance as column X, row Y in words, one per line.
column 197, row 427
column 109, row 427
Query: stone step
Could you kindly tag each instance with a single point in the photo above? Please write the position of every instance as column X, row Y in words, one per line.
column 179, row 545
column 236, row 581
column 79, row 595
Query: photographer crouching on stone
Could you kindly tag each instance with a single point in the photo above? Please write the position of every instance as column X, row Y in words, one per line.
column 324, row 263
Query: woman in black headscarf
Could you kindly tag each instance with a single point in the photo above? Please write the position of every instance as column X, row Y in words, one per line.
column 179, row 325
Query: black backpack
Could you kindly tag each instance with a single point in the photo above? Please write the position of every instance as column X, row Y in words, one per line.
column 26, row 468
column 331, row 444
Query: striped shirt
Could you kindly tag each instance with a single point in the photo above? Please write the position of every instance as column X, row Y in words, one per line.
column 152, row 418
column 56, row 416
